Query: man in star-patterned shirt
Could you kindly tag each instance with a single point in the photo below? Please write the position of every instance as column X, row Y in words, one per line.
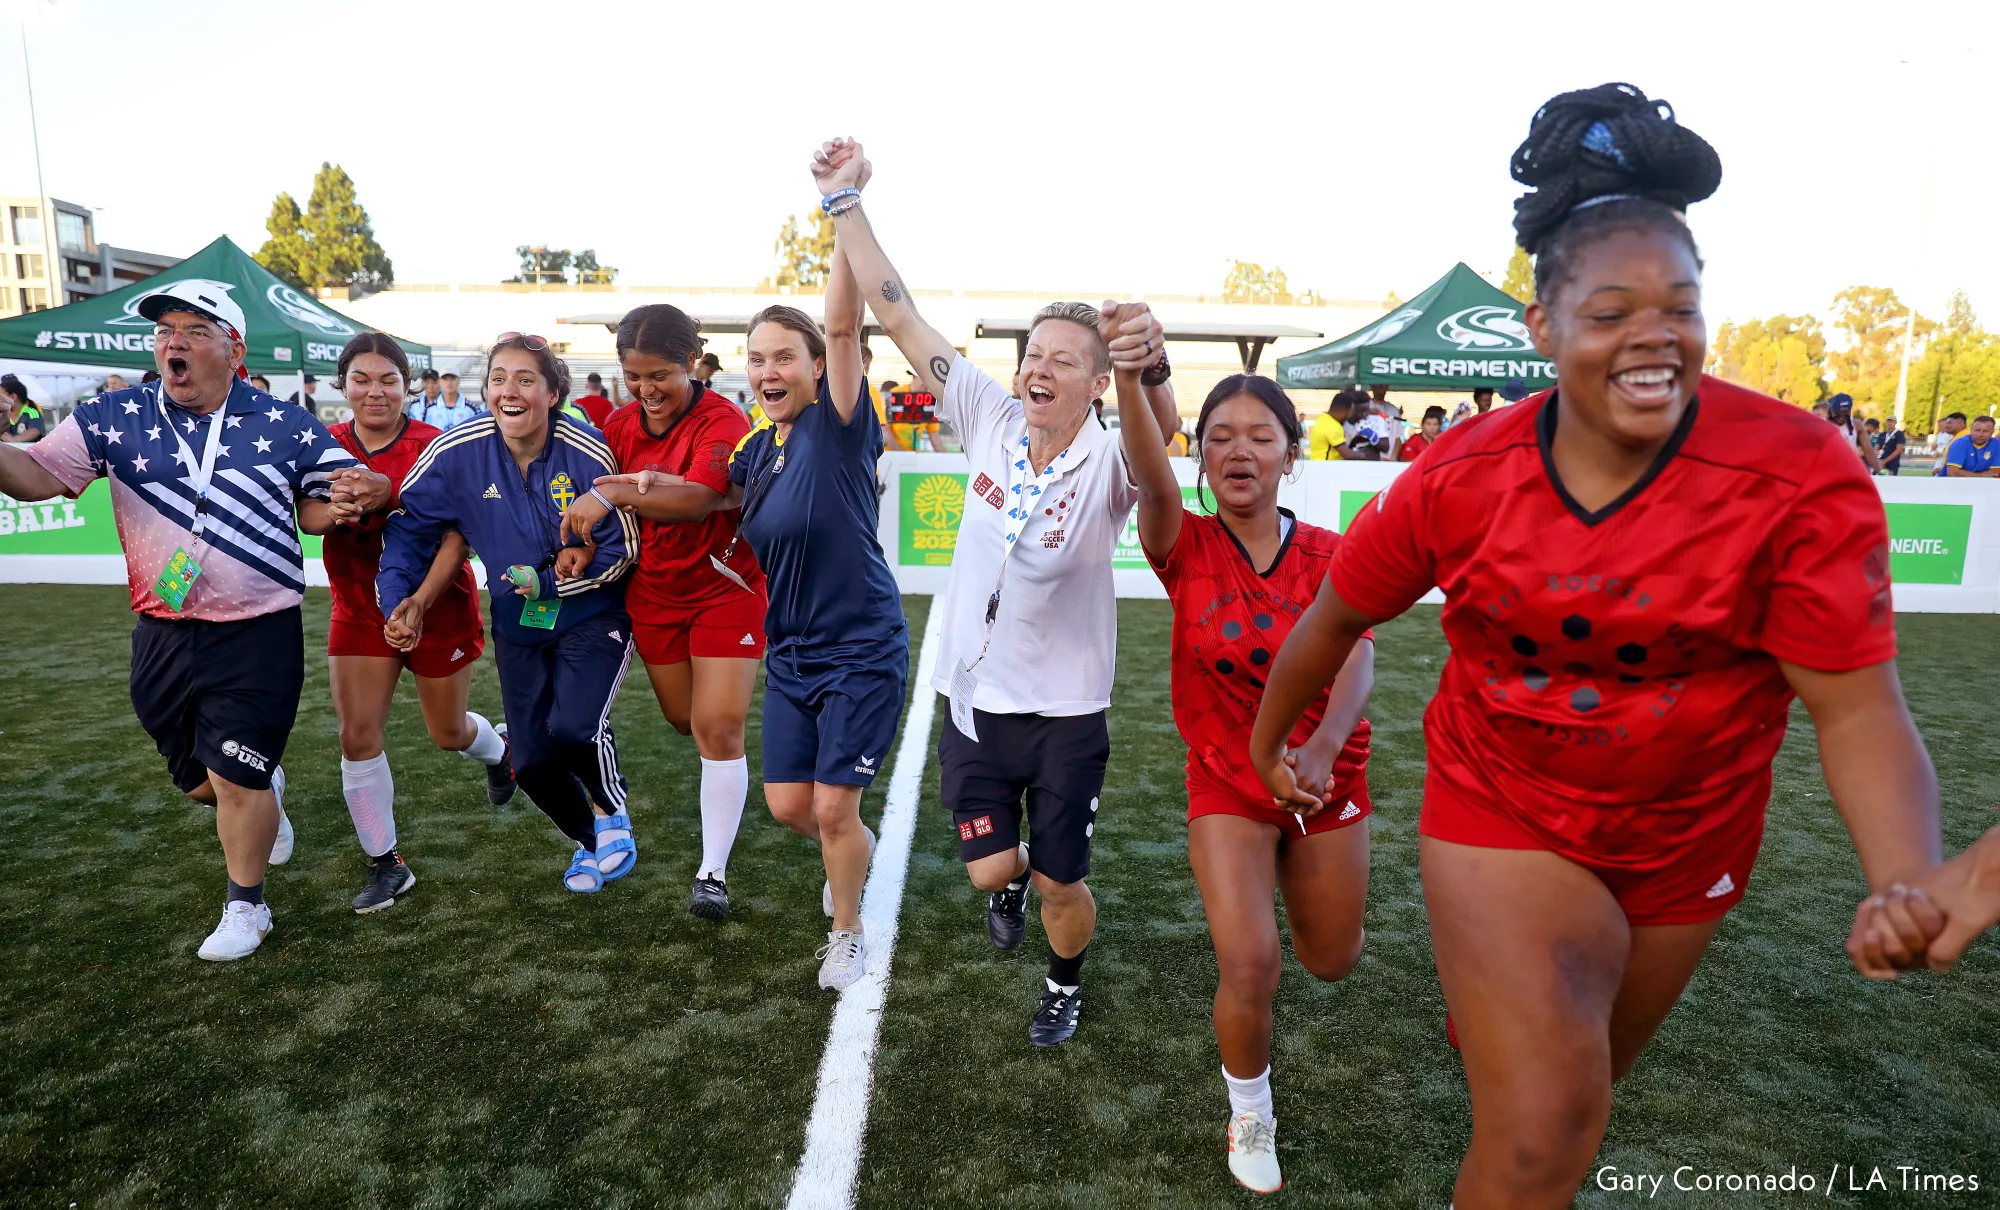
column 211, row 482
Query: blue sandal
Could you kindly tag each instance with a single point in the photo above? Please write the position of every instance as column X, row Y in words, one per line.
column 583, row 862
column 626, row 844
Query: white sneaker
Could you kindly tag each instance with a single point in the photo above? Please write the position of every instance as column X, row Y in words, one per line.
column 841, row 959
column 1253, row 1153
column 826, row 888
column 244, row 927
column 281, row 848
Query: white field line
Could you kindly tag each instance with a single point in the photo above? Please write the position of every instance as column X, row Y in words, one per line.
column 830, row 1169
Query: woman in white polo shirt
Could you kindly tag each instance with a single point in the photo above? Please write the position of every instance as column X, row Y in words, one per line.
column 1031, row 624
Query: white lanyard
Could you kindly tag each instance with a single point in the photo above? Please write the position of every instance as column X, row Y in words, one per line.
column 1029, row 490
column 199, row 474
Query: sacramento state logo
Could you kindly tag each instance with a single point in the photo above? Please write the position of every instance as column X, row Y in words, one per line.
column 939, row 501
column 1487, row 328
column 562, row 490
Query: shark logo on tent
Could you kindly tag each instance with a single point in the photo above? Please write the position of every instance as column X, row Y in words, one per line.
column 1487, row 327
column 296, row 305
column 131, row 318
column 1388, row 328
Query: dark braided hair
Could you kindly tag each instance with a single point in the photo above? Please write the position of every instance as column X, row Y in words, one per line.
column 1264, row 391
column 1601, row 160
column 660, row 330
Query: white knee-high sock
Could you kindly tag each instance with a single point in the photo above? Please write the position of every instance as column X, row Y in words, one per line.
column 725, row 784
column 371, row 800
column 487, row 747
column 1252, row 1095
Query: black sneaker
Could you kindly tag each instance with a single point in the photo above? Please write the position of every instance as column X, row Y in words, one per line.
column 1007, row 914
column 500, row 777
column 388, row 877
column 1055, row 1017
column 710, row 900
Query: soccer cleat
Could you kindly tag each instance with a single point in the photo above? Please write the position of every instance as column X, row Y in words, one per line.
column 840, row 959
column 1253, row 1153
column 1007, row 914
column 388, row 877
column 500, row 777
column 710, row 900
column 281, row 848
column 1055, row 1017
column 244, row 927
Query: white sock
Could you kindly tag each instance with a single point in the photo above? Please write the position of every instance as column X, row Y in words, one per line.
column 487, row 747
column 371, row 800
column 1252, row 1095
column 725, row 785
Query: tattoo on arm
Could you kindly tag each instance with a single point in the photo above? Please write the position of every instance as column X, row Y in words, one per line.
column 892, row 291
column 940, row 369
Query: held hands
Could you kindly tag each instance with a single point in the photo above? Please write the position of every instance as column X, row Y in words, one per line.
column 1312, row 767
column 358, row 492
column 1134, row 333
column 839, row 164
column 1965, row 890
column 405, row 626
column 1288, row 789
column 524, row 580
column 573, row 561
column 581, row 517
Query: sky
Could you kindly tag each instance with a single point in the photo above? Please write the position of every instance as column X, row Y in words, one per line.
column 1054, row 147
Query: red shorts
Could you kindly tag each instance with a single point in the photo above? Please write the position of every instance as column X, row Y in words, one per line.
column 1682, row 881
column 438, row 655
column 732, row 628
column 1351, row 806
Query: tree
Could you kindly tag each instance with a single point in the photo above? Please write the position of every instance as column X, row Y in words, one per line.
column 1869, row 360
column 590, row 273
column 1783, row 356
column 1519, row 284
column 803, row 260
column 1959, row 371
column 544, row 266
column 331, row 244
column 1249, row 282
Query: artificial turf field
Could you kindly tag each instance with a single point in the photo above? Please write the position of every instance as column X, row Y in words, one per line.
column 493, row 1040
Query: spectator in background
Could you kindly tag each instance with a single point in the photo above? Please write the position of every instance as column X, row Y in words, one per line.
column 420, row 408
column 1432, row 426
column 307, row 401
column 1889, row 446
column 1840, row 410
column 256, row 380
column 595, row 403
column 1973, row 455
column 1326, row 437
column 1949, row 430
column 1514, row 390
column 450, row 408
column 1369, row 435
column 116, row 382
column 1482, row 400
column 149, row 376
column 24, row 419
column 709, row 366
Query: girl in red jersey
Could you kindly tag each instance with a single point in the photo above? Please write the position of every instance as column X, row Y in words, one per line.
column 699, row 622
column 436, row 634
column 1238, row 581
column 1641, row 569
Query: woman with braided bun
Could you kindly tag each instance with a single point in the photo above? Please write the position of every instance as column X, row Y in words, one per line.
column 1642, row 567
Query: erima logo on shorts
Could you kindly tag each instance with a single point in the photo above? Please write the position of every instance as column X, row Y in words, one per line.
column 865, row 766
column 1723, row 886
column 983, row 826
column 1349, row 811
column 249, row 756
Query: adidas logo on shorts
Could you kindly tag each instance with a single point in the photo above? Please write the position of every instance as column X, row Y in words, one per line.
column 1349, row 811
column 747, row 641
column 1723, row 886
column 492, row 492
column 458, row 653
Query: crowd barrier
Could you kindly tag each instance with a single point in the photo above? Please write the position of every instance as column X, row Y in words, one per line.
column 1944, row 534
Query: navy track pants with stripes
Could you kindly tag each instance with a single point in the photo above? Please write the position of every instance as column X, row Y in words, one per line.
column 558, row 692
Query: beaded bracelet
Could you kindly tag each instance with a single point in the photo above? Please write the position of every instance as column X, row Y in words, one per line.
column 843, row 208
column 826, row 203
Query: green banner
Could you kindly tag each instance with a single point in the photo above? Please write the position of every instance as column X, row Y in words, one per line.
column 1927, row 542
column 1128, row 555
column 83, row 526
column 930, row 505
column 1351, row 504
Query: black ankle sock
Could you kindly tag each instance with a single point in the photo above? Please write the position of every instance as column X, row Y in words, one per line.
column 389, row 858
column 1066, row 972
column 245, row 894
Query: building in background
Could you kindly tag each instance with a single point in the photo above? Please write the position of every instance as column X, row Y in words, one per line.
column 50, row 256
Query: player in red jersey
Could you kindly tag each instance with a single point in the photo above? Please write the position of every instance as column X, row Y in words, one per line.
column 697, row 600
column 1239, row 580
column 1642, row 568
column 436, row 634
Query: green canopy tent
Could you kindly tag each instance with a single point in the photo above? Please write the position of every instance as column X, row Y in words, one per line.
column 1459, row 334
column 289, row 332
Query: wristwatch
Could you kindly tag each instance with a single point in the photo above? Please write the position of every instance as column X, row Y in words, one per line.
column 1157, row 373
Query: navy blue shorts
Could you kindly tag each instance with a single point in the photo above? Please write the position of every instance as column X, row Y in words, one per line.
column 219, row 696
column 832, row 722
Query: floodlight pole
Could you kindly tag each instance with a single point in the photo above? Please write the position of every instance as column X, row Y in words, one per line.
column 51, row 258
column 1923, row 238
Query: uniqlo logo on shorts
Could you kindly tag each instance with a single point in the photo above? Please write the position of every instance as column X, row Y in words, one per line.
column 983, row 826
column 965, row 831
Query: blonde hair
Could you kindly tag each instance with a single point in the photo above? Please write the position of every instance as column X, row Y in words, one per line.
column 1084, row 316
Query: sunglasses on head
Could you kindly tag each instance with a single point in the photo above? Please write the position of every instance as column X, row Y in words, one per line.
column 532, row 343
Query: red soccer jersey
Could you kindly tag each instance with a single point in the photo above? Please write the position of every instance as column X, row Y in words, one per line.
column 597, row 407
column 1613, row 684
column 354, row 552
column 674, row 569
column 1228, row 625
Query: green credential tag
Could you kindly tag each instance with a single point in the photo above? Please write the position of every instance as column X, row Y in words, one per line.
column 540, row 615
column 177, row 579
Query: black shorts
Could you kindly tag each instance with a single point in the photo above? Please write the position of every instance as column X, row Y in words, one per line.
column 219, row 696
column 1057, row 763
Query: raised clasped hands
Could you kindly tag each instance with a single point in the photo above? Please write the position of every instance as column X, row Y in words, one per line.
column 1134, row 334
column 839, row 164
